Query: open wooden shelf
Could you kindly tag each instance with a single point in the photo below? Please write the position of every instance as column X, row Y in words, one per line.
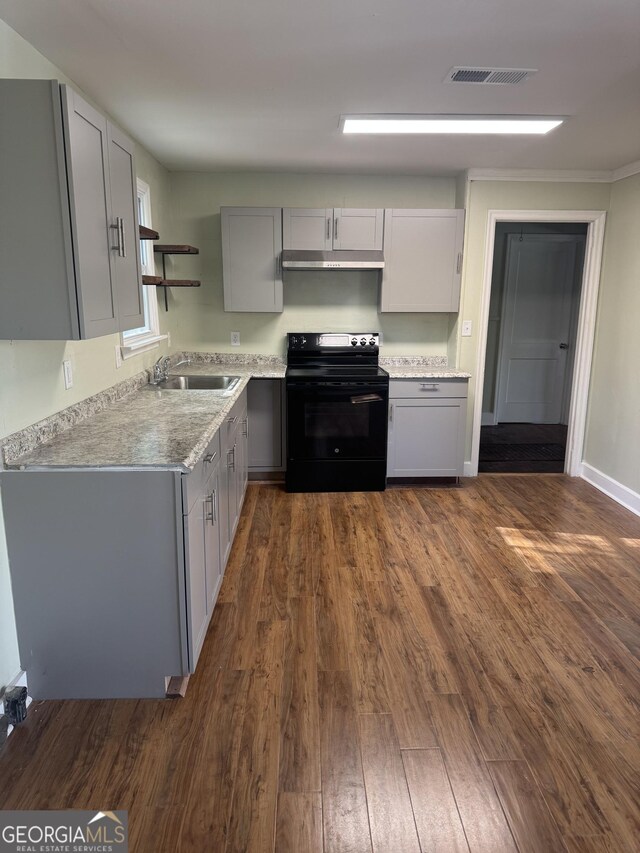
column 175, row 249
column 158, row 281
column 147, row 233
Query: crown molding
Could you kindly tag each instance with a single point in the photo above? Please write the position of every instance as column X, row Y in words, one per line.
column 626, row 171
column 561, row 176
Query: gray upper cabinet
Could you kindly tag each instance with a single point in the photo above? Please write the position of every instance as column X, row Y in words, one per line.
column 328, row 228
column 423, row 260
column 68, row 179
column 251, row 246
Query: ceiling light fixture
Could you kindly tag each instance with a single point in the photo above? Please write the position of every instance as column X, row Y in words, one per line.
column 416, row 124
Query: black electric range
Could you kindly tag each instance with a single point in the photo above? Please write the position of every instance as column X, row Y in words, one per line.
column 337, row 404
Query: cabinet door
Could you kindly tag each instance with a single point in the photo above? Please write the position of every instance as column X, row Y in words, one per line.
column 196, row 579
column 426, row 438
column 423, row 260
column 357, row 228
column 251, row 266
column 124, row 212
column 307, row 228
column 93, row 231
column 213, row 571
column 223, row 510
column 265, row 446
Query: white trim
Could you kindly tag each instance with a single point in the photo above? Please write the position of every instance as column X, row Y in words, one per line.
column 626, row 171
column 586, row 323
column 489, row 419
column 563, row 176
column 620, row 493
column 468, row 470
column 141, row 345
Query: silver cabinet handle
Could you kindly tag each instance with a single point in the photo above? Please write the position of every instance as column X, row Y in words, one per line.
column 335, row 228
column 231, row 458
column 429, row 386
column 245, row 428
column 122, row 239
column 391, row 413
column 214, row 513
column 459, row 262
column 328, row 227
column 210, row 457
column 232, row 420
column 209, row 501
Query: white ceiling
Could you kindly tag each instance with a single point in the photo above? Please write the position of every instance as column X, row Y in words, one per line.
column 231, row 84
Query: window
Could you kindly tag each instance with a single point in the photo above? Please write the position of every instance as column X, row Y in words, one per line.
column 135, row 341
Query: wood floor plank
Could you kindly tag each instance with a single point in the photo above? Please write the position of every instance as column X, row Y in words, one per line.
column 344, row 802
column 434, row 806
column 393, row 828
column 299, row 823
column 253, row 808
column 484, row 823
column 530, row 820
column 300, row 742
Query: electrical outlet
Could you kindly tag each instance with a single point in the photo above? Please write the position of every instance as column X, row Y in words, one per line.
column 67, row 372
column 466, row 328
column 118, row 356
column 235, row 339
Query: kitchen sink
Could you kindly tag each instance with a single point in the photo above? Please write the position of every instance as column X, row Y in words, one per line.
column 222, row 384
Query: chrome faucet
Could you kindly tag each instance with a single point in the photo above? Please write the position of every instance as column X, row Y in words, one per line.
column 161, row 368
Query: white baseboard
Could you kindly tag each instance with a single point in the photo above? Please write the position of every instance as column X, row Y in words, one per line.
column 621, row 494
column 469, row 470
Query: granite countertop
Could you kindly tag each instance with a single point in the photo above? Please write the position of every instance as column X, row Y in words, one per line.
column 149, row 428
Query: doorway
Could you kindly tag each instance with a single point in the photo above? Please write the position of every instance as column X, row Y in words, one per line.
column 532, row 331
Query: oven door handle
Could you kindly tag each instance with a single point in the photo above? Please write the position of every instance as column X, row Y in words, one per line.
column 367, row 398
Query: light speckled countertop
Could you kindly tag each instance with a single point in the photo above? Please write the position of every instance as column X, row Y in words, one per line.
column 150, row 428
column 170, row 429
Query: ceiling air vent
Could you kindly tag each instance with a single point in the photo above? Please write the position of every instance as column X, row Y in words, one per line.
column 493, row 76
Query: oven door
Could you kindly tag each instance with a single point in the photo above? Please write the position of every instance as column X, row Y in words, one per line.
column 332, row 420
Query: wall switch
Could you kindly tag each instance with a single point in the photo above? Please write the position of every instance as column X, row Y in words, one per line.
column 466, row 328
column 235, row 339
column 118, row 356
column 67, row 372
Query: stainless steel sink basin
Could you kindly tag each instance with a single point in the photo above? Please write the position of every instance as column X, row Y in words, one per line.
column 222, row 384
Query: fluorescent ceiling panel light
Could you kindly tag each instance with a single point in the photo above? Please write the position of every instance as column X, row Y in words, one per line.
column 449, row 124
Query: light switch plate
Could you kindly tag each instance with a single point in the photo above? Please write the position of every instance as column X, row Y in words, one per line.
column 67, row 372
column 466, row 328
column 235, row 339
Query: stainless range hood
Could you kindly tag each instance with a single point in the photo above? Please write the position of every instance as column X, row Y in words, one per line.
column 298, row 259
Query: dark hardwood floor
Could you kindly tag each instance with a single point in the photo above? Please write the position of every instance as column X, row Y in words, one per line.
column 446, row 669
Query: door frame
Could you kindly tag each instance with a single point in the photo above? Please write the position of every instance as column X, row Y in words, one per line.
column 595, row 220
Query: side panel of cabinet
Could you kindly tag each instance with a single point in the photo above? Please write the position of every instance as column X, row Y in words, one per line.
column 426, row 438
column 358, row 228
column 251, row 247
column 422, row 252
column 265, row 402
column 37, row 280
column 307, row 228
column 93, row 231
column 124, row 207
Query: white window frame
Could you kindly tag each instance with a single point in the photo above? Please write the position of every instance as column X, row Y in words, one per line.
column 150, row 337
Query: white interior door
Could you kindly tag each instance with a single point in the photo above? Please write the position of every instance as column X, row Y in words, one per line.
column 536, row 319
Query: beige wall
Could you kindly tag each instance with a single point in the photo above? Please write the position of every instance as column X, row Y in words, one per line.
column 313, row 301
column 613, row 422
column 483, row 196
column 32, row 387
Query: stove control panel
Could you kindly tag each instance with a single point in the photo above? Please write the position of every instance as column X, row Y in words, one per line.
column 333, row 340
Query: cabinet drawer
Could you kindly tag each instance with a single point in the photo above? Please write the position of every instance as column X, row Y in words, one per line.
column 193, row 483
column 399, row 388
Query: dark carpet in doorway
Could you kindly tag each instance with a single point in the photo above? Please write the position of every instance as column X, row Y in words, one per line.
column 522, row 453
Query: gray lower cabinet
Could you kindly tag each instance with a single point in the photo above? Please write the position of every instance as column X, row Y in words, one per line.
column 115, row 573
column 423, row 260
column 265, row 402
column 69, row 185
column 427, row 421
column 251, row 267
